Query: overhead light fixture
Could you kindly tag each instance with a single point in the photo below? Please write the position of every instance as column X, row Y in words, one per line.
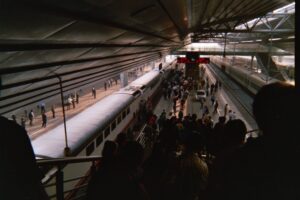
column 274, row 39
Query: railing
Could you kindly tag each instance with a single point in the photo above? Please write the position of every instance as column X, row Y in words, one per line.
column 56, row 171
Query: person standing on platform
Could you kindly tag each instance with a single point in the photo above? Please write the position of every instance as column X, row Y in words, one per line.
column 43, row 108
column 53, row 111
column 44, row 120
column 31, row 116
column 77, row 97
column 225, row 109
column 73, row 102
column 216, row 107
column 69, row 102
column 20, row 175
column 94, row 92
column 14, row 118
column 105, row 86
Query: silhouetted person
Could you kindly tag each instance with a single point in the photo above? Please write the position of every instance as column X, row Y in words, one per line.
column 53, row 111
column 19, row 175
column 77, row 97
column 268, row 168
column 43, row 108
column 105, row 86
column 14, row 118
column 225, row 109
column 23, row 124
column 31, row 117
column 73, row 102
column 94, row 92
column 120, row 181
column 121, row 140
column 44, row 120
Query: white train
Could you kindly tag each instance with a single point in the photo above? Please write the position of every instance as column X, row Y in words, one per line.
column 87, row 131
column 250, row 80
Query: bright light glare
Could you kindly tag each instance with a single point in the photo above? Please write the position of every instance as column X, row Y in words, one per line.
column 203, row 45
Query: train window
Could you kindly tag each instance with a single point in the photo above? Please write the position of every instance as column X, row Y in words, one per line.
column 119, row 119
column 143, row 87
column 124, row 114
column 128, row 110
column 113, row 125
column 107, row 131
column 136, row 93
column 89, row 150
column 99, row 139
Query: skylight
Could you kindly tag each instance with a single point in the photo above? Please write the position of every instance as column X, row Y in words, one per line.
column 290, row 8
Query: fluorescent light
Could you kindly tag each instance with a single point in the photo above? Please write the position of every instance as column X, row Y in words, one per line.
column 273, row 39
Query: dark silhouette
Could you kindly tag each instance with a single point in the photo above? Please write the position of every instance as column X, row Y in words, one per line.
column 14, row 118
column 94, row 92
column 31, row 116
column 121, row 179
column 268, row 167
column 44, row 120
column 23, row 124
column 20, row 177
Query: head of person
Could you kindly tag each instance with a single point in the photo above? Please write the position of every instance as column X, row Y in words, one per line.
column 109, row 149
column 275, row 109
column 236, row 131
column 132, row 154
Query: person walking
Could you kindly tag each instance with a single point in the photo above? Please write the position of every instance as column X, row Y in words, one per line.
column 216, row 107
column 43, row 107
column 77, row 97
column 31, row 116
column 53, row 111
column 14, row 118
column 69, row 102
column 73, row 102
column 225, row 109
column 94, row 92
column 44, row 120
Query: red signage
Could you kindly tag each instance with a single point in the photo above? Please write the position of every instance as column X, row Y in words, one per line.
column 193, row 61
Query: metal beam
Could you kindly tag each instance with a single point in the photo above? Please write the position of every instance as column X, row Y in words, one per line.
column 17, row 69
column 289, row 31
column 20, row 46
column 86, row 16
column 179, row 31
column 34, row 80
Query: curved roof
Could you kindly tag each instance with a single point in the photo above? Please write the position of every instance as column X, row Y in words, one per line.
column 87, row 41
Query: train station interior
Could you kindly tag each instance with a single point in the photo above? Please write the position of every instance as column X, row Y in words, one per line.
column 168, row 78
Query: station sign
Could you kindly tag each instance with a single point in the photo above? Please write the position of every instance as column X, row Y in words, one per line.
column 193, row 60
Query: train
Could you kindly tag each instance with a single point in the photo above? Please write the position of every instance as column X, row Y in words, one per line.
column 88, row 130
column 252, row 81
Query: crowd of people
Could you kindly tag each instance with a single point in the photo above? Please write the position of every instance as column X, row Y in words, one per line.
column 193, row 159
column 70, row 100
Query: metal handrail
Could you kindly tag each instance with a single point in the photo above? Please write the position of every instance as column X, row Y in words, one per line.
column 254, row 130
column 65, row 161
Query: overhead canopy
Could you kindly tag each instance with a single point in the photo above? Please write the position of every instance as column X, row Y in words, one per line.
column 86, row 41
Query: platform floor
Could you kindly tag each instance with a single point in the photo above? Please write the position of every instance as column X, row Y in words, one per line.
column 194, row 107
column 85, row 101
